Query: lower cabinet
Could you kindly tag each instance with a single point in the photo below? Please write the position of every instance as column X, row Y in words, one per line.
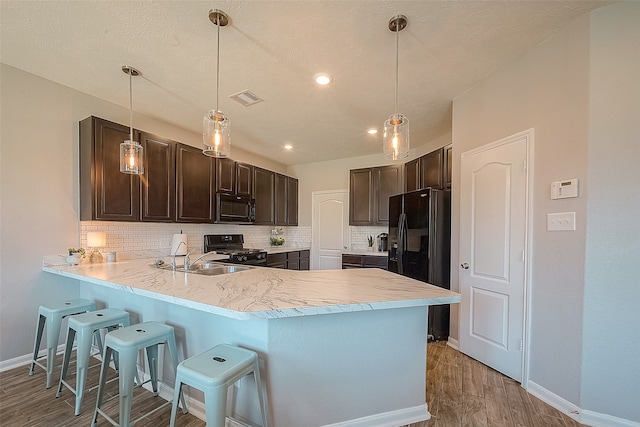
column 363, row 261
column 292, row 260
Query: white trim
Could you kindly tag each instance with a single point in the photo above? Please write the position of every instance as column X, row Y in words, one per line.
column 389, row 419
column 590, row 418
column 453, row 343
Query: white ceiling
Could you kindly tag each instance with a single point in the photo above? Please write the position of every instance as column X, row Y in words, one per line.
column 274, row 48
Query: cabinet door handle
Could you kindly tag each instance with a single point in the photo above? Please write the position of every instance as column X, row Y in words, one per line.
column 464, row 265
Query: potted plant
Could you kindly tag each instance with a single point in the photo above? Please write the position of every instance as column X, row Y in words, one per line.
column 370, row 242
column 74, row 255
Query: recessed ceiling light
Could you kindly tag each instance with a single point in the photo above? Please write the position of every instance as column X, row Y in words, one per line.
column 372, row 131
column 323, row 79
column 288, row 147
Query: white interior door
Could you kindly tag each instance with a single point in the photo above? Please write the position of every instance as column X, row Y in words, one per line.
column 330, row 229
column 493, row 253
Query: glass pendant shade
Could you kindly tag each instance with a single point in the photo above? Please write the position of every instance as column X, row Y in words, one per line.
column 395, row 139
column 131, row 159
column 216, row 134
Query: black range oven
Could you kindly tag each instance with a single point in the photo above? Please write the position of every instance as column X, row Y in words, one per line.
column 233, row 245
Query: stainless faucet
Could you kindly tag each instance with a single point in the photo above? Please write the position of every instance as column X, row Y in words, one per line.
column 188, row 264
column 173, row 264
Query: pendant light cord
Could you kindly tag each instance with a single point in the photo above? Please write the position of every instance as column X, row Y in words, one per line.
column 130, row 109
column 218, row 65
column 397, row 63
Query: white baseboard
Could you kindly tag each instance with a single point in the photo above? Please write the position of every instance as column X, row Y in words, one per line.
column 16, row 362
column 389, row 419
column 589, row 418
column 453, row 343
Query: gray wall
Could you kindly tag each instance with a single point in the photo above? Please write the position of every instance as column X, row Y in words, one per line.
column 582, row 101
column 611, row 328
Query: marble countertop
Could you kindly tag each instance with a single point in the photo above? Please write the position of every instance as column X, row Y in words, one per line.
column 262, row 292
column 365, row 252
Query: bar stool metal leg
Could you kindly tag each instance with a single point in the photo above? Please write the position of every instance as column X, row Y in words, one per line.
column 53, row 314
column 85, row 327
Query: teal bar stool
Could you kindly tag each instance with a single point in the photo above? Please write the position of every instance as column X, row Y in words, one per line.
column 53, row 315
column 213, row 372
column 85, row 327
column 127, row 342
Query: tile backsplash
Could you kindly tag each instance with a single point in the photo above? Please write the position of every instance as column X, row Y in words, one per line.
column 157, row 237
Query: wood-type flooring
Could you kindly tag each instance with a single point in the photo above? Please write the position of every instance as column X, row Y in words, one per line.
column 460, row 392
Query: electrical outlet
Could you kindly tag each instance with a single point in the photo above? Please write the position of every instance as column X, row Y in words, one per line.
column 563, row 221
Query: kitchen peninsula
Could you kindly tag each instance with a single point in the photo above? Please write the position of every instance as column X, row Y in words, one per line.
column 339, row 347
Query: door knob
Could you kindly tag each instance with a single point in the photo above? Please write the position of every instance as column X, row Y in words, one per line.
column 464, row 265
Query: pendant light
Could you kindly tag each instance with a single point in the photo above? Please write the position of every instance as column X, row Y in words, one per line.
column 131, row 160
column 216, row 128
column 395, row 140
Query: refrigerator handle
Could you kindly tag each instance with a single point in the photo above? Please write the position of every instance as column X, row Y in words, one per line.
column 402, row 241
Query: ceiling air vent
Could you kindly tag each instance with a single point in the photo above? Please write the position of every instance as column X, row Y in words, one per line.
column 246, row 98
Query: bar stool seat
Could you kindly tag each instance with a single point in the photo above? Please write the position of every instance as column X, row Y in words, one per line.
column 53, row 314
column 213, row 372
column 85, row 327
column 127, row 342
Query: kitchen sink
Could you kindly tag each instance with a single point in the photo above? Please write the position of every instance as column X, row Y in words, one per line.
column 210, row 268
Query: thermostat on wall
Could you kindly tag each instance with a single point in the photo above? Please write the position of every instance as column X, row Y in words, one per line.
column 564, row 189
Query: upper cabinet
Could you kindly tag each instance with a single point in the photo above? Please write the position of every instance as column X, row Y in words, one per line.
column 195, row 189
column 244, row 179
column 280, row 199
column 106, row 194
column 264, row 195
column 431, row 170
column 157, row 189
column 369, row 191
column 412, row 175
column 447, row 166
column 179, row 183
column 225, row 175
column 286, row 200
column 292, row 201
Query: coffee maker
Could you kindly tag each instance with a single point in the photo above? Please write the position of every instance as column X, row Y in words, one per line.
column 383, row 241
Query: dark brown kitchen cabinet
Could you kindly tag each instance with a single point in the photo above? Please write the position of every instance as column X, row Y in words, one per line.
column 431, row 169
column 363, row 261
column 286, row 200
column 412, row 175
column 278, row 260
column 195, row 177
column 293, row 260
column 263, row 193
column 369, row 191
column 280, row 199
column 292, row 201
column 305, row 260
column 106, row 194
column 447, row 166
column 157, row 187
column 244, row 178
column 225, row 175
column 361, row 197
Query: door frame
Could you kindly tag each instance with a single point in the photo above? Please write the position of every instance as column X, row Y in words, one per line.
column 529, row 136
column 314, row 225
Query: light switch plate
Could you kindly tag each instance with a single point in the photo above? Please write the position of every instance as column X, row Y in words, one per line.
column 562, row 221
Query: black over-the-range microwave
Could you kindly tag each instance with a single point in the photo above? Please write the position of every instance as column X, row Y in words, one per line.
column 232, row 208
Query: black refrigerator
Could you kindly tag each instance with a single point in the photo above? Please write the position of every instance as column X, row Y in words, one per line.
column 420, row 245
